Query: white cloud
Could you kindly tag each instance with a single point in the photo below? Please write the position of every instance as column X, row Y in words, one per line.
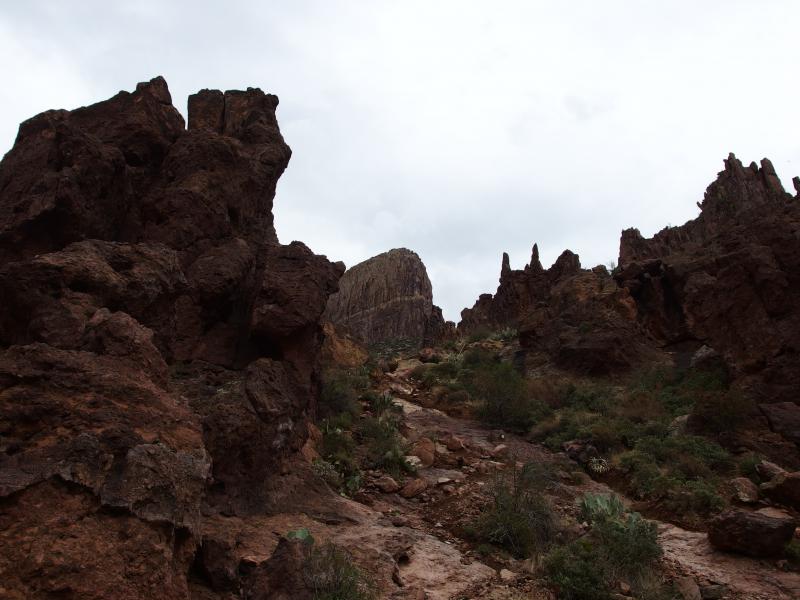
column 457, row 129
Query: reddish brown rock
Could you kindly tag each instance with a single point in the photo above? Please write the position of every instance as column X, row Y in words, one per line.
column 784, row 489
column 744, row 490
column 578, row 319
column 158, row 348
column 414, row 488
column 387, row 297
column 751, row 533
column 728, row 279
column 425, row 450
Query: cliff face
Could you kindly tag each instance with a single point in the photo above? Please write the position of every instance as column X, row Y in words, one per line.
column 158, row 348
column 729, row 278
column 575, row 318
column 519, row 290
column 388, row 296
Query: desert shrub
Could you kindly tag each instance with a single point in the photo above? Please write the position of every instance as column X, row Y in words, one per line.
column 595, row 398
column 563, row 426
column 747, row 467
column 629, row 544
column 503, row 396
column 548, row 390
column 456, row 396
column 792, row 553
column 688, row 452
column 677, row 389
column 693, row 498
column 681, row 471
column 507, row 334
column 382, row 404
column 519, row 518
column 337, row 449
column 620, row 545
column 446, row 370
column 330, row 573
column 384, row 448
column 718, row 412
column 478, row 335
column 418, row 372
column 601, row 507
column 340, row 392
column 575, row 572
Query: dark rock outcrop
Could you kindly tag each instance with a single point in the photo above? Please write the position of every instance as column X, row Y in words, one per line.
column 158, row 347
column 387, row 297
column 578, row 319
column 752, row 533
column 729, row 279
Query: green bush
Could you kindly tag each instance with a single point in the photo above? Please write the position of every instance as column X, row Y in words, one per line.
column 601, row 507
column 330, row 573
column 620, row 545
column 507, row 334
column 747, row 467
column 478, row 335
column 382, row 404
column 337, row 449
column 681, row 471
column 340, row 392
column 519, row 518
column 719, row 412
column 503, row 397
column 576, row 573
column 676, row 389
column 384, row 449
column 792, row 553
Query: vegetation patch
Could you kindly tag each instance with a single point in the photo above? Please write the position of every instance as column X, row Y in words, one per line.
column 519, row 518
column 619, row 546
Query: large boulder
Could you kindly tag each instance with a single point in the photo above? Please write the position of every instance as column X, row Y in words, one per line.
column 752, row 533
column 387, row 297
column 784, row 489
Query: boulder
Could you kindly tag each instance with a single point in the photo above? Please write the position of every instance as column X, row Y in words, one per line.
column 751, row 533
column 784, row 489
column 425, row 450
column 414, row 488
column 784, row 418
column 387, row 484
column 744, row 490
column 768, row 470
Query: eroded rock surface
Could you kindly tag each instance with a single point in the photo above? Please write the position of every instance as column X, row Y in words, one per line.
column 386, row 297
column 729, row 279
column 158, row 347
column 578, row 319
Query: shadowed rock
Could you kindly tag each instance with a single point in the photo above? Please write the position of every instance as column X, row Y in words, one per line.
column 158, row 348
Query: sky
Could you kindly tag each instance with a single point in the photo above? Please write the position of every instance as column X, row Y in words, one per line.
column 459, row 129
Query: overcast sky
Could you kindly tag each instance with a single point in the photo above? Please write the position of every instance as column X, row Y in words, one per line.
column 457, row 129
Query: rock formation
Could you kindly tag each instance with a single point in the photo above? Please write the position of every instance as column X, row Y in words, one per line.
column 386, row 297
column 729, row 279
column 158, row 347
column 575, row 318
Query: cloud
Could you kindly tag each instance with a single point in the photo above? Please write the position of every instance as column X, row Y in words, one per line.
column 447, row 127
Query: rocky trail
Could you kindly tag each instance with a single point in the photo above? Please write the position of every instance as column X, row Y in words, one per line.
column 424, row 533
